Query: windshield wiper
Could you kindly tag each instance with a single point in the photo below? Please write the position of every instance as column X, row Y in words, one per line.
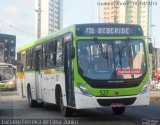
column 121, row 50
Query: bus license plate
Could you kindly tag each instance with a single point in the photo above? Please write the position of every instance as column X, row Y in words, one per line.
column 117, row 104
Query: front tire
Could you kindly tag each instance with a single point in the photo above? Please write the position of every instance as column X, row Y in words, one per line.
column 118, row 110
column 32, row 103
column 65, row 111
column 40, row 105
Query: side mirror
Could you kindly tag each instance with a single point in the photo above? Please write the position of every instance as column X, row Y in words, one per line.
column 72, row 52
column 150, row 47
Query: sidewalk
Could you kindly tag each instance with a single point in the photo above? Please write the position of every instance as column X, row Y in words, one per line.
column 155, row 95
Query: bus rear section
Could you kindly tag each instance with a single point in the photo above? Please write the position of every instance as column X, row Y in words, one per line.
column 111, row 67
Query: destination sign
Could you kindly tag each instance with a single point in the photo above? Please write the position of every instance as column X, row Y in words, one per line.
column 129, row 71
column 108, row 30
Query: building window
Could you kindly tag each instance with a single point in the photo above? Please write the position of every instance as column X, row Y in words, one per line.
column 12, row 50
column 6, row 41
column 12, row 41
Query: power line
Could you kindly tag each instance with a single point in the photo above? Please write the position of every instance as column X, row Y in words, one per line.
column 16, row 28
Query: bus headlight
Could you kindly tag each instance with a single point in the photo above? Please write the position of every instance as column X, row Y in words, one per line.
column 144, row 90
column 84, row 90
column 10, row 82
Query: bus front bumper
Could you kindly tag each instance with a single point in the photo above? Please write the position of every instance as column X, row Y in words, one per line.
column 83, row 101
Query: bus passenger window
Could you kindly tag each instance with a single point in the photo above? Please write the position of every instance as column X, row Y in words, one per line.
column 59, row 52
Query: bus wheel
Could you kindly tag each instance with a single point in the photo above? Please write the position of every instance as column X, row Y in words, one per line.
column 66, row 111
column 32, row 103
column 39, row 104
column 118, row 110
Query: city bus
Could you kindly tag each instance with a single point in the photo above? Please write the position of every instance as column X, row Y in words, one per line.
column 7, row 76
column 86, row 66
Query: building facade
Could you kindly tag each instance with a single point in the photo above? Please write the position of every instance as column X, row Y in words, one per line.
column 7, row 48
column 48, row 16
column 112, row 13
column 126, row 11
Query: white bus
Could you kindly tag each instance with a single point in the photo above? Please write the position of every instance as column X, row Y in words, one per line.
column 86, row 66
column 7, row 76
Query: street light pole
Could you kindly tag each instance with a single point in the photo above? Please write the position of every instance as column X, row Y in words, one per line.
column 154, row 52
column 39, row 11
column 153, row 26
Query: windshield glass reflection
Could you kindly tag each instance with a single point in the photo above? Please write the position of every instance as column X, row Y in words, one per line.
column 6, row 73
column 111, row 59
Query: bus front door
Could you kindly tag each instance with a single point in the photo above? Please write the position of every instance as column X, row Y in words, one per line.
column 38, row 74
column 68, row 66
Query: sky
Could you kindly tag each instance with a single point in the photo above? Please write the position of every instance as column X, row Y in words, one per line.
column 17, row 17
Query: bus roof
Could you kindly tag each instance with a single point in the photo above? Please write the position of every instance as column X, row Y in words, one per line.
column 53, row 35
column 93, row 29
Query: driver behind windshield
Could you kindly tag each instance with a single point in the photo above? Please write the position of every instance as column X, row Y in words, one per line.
column 83, row 61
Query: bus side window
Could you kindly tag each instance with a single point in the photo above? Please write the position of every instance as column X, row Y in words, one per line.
column 23, row 62
column 41, row 59
column 32, row 62
column 20, row 67
column 18, row 62
column 51, row 54
column 45, row 54
column 48, row 54
column 59, row 52
column 30, row 55
column 28, row 59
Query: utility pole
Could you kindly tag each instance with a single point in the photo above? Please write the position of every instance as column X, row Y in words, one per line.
column 154, row 53
column 39, row 11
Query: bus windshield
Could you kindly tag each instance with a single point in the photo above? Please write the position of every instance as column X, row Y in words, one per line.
column 6, row 73
column 111, row 59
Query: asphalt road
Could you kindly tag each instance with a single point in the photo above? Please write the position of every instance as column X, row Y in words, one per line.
column 15, row 108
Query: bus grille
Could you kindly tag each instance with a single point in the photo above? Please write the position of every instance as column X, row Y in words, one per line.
column 108, row 102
